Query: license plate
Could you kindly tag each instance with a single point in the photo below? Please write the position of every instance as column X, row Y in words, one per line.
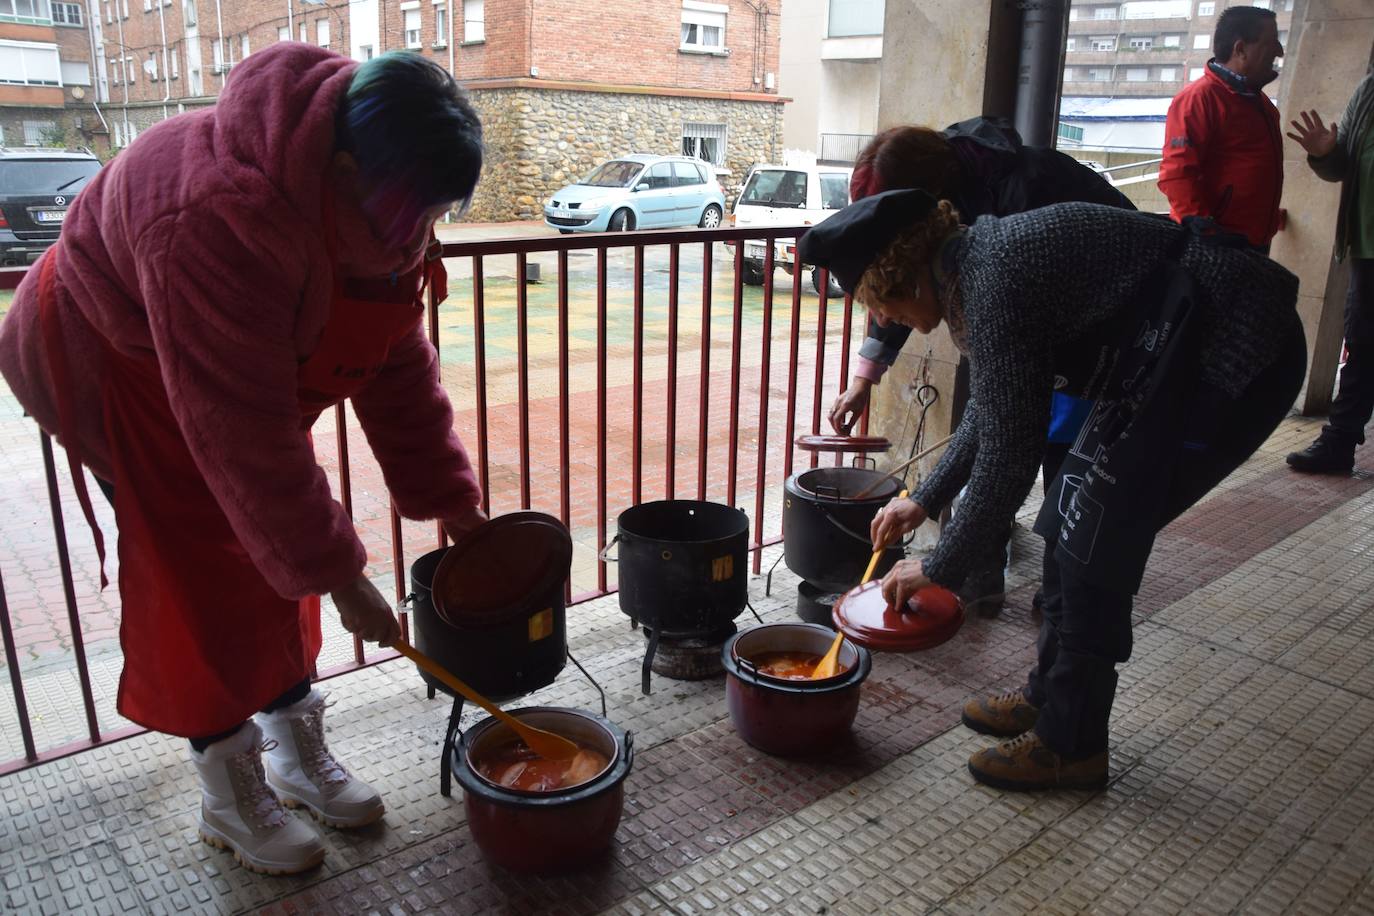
column 560, row 213
column 754, row 250
column 49, row 216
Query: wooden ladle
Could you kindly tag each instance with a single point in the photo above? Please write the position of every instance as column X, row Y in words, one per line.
column 830, row 662
column 544, row 743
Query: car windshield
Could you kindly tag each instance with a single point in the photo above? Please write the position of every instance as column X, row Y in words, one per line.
column 46, row 176
column 775, row 188
column 618, row 173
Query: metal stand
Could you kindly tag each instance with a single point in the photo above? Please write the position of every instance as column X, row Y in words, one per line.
column 649, row 660
column 768, row 583
column 450, row 745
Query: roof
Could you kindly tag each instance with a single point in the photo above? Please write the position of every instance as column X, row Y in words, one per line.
column 1087, row 108
column 36, row 152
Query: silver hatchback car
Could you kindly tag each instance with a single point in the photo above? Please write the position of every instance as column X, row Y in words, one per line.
column 639, row 191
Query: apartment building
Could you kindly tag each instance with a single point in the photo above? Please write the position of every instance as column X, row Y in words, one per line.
column 562, row 84
column 832, row 54
column 1125, row 61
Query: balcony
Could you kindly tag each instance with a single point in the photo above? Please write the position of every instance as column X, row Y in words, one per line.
column 1175, row 26
column 842, row 147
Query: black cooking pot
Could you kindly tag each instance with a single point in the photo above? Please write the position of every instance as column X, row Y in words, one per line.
column 498, row 621
column 825, row 526
column 682, row 565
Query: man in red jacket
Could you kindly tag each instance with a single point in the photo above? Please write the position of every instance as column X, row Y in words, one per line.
column 1223, row 149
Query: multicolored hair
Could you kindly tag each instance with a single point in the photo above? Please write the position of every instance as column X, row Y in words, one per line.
column 905, row 157
column 416, row 138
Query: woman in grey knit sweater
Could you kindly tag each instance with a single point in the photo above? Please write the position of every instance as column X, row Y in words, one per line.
column 1193, row 352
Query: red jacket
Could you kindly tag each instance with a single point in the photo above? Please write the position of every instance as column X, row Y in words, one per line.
column 1223, row 158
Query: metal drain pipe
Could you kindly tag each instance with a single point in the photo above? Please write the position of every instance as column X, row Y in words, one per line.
column 1044, row 26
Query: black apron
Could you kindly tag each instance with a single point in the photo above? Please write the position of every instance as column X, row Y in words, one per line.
column 1104, row 507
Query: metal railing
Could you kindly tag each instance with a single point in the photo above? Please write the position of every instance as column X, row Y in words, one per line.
column 515, row 488
column 843, row 147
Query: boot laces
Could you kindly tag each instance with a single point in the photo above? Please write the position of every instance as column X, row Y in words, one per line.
column 252, row 786
column 315, row 757
column 1009, row 697
column 1023, row 742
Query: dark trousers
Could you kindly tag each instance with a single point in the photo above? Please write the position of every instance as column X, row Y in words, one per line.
column 1354, row 403
column 1086, row 629
column 294, row 695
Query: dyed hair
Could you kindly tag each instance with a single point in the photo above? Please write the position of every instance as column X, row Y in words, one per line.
column 415, row 136
column 895, row 271
column 1238, row 23
column 905, row 157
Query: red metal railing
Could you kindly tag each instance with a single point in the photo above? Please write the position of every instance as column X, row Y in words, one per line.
column 574, row 456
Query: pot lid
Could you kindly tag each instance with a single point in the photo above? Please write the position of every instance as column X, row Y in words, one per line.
column 843, row 443
column 932, row 617
column 500, row 569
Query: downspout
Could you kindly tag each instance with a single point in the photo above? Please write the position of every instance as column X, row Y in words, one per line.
column 452, row 37
column 93, row 19
column 166, row 71
column 223, row 47
column 123, row 74
column 1044, row 25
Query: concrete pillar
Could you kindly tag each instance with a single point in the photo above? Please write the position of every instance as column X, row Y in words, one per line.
column 1328, row 54
column 942, row 62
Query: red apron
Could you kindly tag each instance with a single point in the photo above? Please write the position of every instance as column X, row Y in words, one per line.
column 207, row 642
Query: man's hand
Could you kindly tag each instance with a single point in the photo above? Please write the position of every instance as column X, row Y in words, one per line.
column 1314, row 136
column 894, row 520
column 904, row 580
column 364, row 612
column 460, row 525
column 849, row 405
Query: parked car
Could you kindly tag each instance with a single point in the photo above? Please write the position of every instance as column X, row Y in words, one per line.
column 639, row 192
column 788, row 195
column 36, row 188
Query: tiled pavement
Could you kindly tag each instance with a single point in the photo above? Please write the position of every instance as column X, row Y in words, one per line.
column 1242, row 763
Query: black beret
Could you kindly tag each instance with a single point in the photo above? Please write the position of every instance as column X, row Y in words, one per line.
column 848, row 241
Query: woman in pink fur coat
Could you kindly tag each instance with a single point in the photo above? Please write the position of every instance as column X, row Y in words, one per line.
column 227, row 278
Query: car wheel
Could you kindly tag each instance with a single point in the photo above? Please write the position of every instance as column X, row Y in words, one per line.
column 753, row 274
column 834, row 292
column 710, row 219
column 621, row 221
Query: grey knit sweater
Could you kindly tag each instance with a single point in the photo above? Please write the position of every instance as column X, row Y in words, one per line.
column 1041, row 279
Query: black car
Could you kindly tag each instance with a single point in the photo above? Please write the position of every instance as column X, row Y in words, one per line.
column 36, row 188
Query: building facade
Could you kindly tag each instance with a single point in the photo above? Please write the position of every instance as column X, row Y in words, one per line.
column 1124, row 62
column 561, row 84
column 831, row 61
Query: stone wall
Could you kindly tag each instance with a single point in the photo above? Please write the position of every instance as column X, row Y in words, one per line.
column 540, row 140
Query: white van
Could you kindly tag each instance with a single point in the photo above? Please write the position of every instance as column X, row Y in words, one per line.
column 788, row 195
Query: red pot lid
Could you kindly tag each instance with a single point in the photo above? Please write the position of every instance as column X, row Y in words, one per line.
column 932, row 617
column 843, row 443
column 501, row 568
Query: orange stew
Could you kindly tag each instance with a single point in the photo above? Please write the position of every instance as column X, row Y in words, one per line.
column 791, row 666
column 515, row 766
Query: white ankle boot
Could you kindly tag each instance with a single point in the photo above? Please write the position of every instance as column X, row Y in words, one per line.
column 303, row 772
column 239, row 812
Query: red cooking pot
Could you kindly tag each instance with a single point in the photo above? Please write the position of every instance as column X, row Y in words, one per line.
column 787, row 717
column 545, row 832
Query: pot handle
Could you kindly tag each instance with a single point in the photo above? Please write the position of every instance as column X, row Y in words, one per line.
column 864, row 539
column 602, row 555
column 822, row 489
column 629, row 747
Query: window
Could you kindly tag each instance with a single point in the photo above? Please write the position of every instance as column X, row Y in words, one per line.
column 686, row 175
column 1142, row 44
column 1100, row 74
column 474, row 21
column 150, row 66
column 217, row 55
column 855, row 17
column 659, row 176
column 243, row 46
column 1104, row 44
column 76, row 73
column 322, row 32
column 40, row 133
column 147, row 6
column 109, row 16
column 365, row 51
column 440, row 24
column 704, row 141
column 834, row 191
column 188, row 12
column 1202, row 41
column 412, row 27
column 1172, row 41
column 1069, row 75
column 304, row 33
column 283, row 33
column 1104, row 12
column 114, row 73
column 66, row 14
column 1168, row 74
column 703, row 26
column 1206, row 9
column 1194, row 73
column 1137, row 74
column 30, row 11
column 130, row 71
column 29, row 63
column 1072, row 45
column 174, row 62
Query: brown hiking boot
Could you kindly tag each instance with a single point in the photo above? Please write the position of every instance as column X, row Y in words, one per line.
column 1004, row 716
column 1024, row 764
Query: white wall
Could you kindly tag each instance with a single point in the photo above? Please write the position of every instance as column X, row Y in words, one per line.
column 364, row 26
column 849, row 96
column 799, row 72
column 1121, row 135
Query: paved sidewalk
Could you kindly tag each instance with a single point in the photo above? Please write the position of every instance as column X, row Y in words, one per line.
column 1242, row 764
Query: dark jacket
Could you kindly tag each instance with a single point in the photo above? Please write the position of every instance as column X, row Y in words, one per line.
column 999, row 177
column 1223, row 156
column 1342, row 163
